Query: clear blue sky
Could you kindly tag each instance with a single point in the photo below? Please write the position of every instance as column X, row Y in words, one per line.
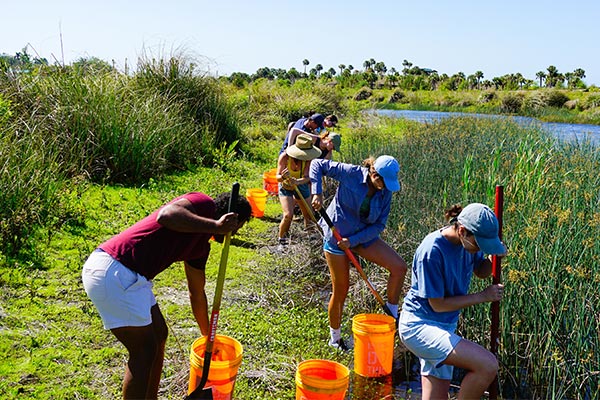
column 495, row 37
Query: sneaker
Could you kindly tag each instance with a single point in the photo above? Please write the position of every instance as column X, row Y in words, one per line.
column 340, row 345
column 283, row 244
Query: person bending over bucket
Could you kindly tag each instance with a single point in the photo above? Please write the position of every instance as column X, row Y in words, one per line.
column 441, row 273
column 118, row 275
column 359, row 212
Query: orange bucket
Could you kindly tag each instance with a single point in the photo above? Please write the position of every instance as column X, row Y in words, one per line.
column 373, row 344
column 321, row 380
column 270, row 183
column 258, row 201
column 226, row 359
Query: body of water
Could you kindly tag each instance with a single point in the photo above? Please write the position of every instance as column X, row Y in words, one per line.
column 563, row 131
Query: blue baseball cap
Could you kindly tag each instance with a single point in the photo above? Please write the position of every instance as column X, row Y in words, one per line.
column 318, row 118
column 387, row 167
column 481, row 221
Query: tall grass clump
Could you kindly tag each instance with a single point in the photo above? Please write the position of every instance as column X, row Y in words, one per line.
column 29, row 184
column 198, row 97
column 550, row 346
column 268, row 102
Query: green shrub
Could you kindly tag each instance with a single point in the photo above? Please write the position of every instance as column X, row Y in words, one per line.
column 511, row 103
column 396, row 96
column 555, row 98
column 363, row 94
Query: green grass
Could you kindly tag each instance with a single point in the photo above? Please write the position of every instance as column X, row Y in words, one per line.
column 52, row 344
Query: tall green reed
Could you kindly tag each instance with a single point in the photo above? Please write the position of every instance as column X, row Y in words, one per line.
column 549, row 320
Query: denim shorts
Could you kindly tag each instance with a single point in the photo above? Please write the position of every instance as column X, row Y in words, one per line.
column 431, row 341
column 122, row 296
column 304, row 189
column 334, row 249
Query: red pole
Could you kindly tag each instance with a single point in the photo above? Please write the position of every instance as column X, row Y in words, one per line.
column 495, row 308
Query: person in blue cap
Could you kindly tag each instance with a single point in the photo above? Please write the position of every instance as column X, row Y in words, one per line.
column 442, row 269
column 359, row 212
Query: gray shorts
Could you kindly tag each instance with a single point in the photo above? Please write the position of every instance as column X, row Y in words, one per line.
column 431, row 341
column 123, row 297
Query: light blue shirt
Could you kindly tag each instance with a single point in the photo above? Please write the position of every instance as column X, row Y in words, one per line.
column 440, row 269
column 344, row 210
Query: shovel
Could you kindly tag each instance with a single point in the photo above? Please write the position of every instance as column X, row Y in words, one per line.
column 201, row 393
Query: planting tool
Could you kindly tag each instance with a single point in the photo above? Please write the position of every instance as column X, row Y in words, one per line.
column 355, row 262
column 495, row 307
column 200, row 393
column 304, row 206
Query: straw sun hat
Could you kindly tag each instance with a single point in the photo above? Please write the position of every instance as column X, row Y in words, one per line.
column 303, row 149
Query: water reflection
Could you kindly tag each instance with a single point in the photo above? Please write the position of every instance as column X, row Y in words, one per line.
column 563, row 131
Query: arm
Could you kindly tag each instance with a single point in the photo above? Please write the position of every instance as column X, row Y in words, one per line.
column 180, row 216
column 489, row 294
column 484, row 268
column 295, row 132
column 196, row 280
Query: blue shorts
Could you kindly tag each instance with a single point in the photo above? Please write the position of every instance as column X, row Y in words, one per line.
column 304, row 189
column 431, row 341
column 334, row 249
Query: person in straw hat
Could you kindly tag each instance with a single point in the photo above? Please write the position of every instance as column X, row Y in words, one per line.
column 292, row 172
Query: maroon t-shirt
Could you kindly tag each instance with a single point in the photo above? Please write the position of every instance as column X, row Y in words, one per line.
column 149, row 248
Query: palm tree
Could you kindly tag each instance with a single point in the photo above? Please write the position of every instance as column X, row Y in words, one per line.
column 367, row 64
column 579, row 73
column 318, row 68
column 380, row 68
column 407, row 66
column 541, row 75
column 305, row 62
column 479, row 77
column 341, row 67
column 552, row 77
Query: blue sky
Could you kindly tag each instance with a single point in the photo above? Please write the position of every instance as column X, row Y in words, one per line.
column 225, row 36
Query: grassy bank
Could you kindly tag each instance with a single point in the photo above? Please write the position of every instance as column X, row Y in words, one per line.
column 85, row 156
column 53, row 345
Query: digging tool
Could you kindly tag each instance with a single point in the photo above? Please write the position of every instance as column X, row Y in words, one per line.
column 201, row 393
column 495, row 307
column 355, row 262
column 304, row 206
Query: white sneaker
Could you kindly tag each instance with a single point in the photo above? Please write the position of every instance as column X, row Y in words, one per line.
column 340, row 345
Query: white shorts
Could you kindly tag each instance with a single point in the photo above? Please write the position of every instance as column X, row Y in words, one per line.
column 431, row 341
column 123, row 297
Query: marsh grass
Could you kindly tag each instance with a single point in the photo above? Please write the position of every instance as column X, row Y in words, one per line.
column 549, row 320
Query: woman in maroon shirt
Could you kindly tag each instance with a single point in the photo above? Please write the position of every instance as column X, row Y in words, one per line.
column 118, row 278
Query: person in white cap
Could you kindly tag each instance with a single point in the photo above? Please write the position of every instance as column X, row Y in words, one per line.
column 441, row 274
column 359, row 212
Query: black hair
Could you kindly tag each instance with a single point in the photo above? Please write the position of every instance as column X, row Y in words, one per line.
column 242, row 207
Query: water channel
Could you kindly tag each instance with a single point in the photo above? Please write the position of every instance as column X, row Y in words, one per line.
column 563, row 131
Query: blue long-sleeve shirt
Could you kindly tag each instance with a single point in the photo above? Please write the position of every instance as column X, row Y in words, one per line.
column 344, row 210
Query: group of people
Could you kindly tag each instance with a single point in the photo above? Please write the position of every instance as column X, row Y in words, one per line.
column 442, row 267
column 118, row 275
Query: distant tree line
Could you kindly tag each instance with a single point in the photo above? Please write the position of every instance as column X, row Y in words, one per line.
column 376, row 74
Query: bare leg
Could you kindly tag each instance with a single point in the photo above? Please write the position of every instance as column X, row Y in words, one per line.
column 434, row 388
column 287, row 206
column 340, row 282
column 382, row 254
column 481, row 365
column 146, row 347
